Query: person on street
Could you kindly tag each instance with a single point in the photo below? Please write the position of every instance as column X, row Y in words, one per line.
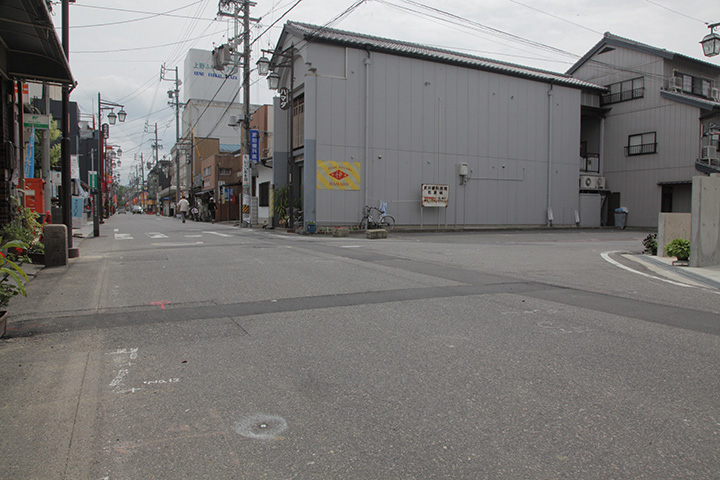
column 183, row 207
column 211, row 208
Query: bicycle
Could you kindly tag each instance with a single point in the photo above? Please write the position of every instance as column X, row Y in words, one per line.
column 373, row 217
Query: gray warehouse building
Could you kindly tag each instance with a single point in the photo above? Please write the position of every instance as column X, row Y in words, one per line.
column 362, row 120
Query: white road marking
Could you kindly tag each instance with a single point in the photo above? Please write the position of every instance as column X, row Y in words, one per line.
column 193, row 236
column 156, row 235
column 184, row 244
column 218, row 234
column 606, row 257
column 349, row 246
column 123, row 236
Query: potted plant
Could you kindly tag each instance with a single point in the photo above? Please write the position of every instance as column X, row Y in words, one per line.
column 311, row 227
column 12, row 282
column 679, row 248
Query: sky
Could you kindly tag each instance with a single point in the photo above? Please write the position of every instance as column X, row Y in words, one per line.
column 117, row 48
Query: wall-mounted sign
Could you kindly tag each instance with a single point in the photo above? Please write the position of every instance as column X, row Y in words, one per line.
column 434, row 195
column 338, row 175
column 284, row 98
column 254, row 146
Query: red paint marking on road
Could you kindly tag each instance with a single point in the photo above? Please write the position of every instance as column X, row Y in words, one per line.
column 162, row 304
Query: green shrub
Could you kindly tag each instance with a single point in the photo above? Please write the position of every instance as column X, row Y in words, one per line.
column 23, row 227
column 679, row 248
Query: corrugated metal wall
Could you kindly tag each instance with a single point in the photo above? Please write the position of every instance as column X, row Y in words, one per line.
column 425, row 119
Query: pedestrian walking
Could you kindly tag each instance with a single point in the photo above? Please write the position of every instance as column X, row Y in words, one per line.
column 183, row 207
column 211, row 208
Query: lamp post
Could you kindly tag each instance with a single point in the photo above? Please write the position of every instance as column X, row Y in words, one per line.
column 711, row 42
column 267, row 68
column 103, row 134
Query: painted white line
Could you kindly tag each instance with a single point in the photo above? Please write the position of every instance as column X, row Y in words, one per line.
column 123, row 236
column 349, row 246
column 156, row 235
column 184, row 244
column 193, row 236
column 218, row 234
column 606, row 257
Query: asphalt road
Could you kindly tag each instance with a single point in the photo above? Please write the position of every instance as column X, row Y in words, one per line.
column 193, row 351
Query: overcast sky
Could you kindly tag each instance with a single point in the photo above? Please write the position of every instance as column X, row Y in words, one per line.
column 117, row 48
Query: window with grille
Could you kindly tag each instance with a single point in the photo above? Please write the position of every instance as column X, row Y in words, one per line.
column 641, row 144
column 624, row 91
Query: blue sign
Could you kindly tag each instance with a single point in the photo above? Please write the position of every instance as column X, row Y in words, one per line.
column 254, row 146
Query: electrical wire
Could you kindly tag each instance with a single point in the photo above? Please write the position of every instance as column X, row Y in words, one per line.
column 150, row 15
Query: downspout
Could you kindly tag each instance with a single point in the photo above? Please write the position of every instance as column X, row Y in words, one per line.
column 549, row 156
column 366, row 175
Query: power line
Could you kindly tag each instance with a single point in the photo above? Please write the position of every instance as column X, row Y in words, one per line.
column 150, row 15
column 145, row 48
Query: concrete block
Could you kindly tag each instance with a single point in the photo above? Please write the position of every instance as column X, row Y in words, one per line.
column 56, row 245
column 341, row 232
column 705, row 242
column 375, row 234
column 670, row 227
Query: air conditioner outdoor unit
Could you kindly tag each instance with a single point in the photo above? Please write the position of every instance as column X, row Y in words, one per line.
column 676, row 84
column 600, row 183
column 709, row 152
column 715, row 94
column 589, row 182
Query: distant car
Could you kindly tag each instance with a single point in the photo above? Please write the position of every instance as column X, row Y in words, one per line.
column 122, row 210
column 137, row 209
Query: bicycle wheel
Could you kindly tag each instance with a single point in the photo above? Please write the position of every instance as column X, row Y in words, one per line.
column 387, row 222
column 363, row 223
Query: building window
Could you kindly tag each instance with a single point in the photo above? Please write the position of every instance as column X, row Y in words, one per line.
column 624, row 91
column 694, row 85
column 225, row 171
column 641, row 144
column 207, row 171
column 264, row 197
column 298, row 122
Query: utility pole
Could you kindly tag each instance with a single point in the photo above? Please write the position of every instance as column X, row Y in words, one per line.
column 142, row 183
column 66, row 198
column 174, row 96
column 237, row 4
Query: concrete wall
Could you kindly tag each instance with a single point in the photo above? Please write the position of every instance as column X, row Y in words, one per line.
column 670, row 227
column 705, row 242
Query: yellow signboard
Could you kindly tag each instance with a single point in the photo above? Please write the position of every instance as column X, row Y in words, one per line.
column 338, row 175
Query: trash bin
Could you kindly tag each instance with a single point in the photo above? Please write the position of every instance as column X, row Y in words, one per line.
column 621, row 217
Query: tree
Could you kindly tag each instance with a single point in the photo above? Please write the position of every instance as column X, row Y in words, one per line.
column 55, row 146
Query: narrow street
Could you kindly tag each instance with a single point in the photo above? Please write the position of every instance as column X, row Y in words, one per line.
column 206, row 351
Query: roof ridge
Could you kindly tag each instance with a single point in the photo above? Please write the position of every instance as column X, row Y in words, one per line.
column 450, row 55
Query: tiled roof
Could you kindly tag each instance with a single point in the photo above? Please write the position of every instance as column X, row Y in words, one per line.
column 396, row 47
column 614, row 40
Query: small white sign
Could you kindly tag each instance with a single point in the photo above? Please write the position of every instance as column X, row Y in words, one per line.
column 434, row 195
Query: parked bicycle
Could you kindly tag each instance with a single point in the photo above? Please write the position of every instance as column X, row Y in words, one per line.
column 373, row 217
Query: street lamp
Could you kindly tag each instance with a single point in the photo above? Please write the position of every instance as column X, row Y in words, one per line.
column 263, row 65
column 711, row 42
column 102, row 185
column 287, row 61
column 273, row 81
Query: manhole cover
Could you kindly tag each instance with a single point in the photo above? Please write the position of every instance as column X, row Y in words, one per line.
column 261, row 427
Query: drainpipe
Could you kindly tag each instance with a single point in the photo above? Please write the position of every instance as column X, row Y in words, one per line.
column 549, row 156
column 366, row 175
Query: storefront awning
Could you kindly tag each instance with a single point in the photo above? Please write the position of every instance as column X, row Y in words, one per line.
column 29, row 45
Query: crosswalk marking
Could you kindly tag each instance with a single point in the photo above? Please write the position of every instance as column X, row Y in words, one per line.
column 123, row 236
column 156, row 235
column 218, row 234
